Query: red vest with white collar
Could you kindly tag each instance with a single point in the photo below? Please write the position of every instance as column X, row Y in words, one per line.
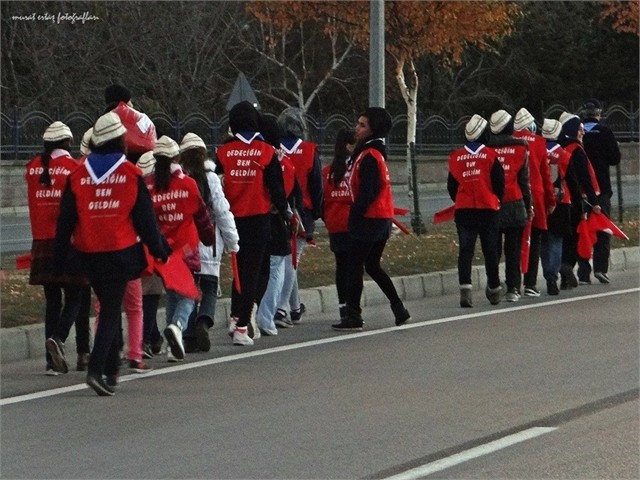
column 104, row 208
column 244, row 185
column 337, row 203
column 303, row 155
column 560, row 157
column 472, row 171
column 44, row 201
column 512, row 158
column 288, row 174
column 382, row 206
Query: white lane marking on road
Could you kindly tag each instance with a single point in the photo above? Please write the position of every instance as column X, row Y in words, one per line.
column 310, row 343
column 465, row 456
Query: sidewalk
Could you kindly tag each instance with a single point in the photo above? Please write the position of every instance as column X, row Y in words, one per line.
column 21, row 343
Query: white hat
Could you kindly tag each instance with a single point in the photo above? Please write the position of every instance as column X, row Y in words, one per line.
column 523, row 119
column 551, row 129
column 107, row 127
column 474, row 127
column 191, row 140
column 499, row 120
column 146, row 162
column 57, row 131
column 84, row 144
column 566, row 116
column 166, row 147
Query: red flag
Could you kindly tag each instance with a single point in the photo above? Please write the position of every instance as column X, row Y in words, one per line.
column 586, row 238
column 444, row 215
column 400, row 211
column 403, row 228
column 236, row 273
column 599, row 222
column 23, row 262
column 525, row 245
column 176, row 276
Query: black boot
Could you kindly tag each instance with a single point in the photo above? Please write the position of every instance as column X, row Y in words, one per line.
column 401, row 313
column 203, row 324
column 351, row 322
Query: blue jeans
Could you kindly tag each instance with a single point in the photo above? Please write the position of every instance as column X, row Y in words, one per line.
column 269, row 302
column 551, row 255
column 290, row 297
column 178, row 309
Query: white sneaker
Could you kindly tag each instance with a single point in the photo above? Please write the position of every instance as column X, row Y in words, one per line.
column 241, row 337
column 233, row 321
column 173, row 334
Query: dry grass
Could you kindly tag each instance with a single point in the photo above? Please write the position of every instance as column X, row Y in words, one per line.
column 436, row 250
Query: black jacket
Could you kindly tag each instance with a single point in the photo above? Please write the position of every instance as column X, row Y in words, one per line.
column 603, row 151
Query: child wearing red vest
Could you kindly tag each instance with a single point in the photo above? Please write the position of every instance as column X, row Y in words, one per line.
column 46, row 176
column 107, row 209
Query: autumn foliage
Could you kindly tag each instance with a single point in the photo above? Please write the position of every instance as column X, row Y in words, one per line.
column 624, row 15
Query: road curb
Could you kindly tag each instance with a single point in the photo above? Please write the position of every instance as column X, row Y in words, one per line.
column 22, row 343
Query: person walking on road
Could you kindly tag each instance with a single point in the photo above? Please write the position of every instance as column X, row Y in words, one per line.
column 107, row 209
column 603, row 152
column 476, row 184
column 370, row 218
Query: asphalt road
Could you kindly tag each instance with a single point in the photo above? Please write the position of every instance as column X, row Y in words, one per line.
column 543, row 388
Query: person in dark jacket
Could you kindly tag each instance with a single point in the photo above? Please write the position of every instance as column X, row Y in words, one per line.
column 583, row 187
column 253, row 186
column 370, row 218
column 603, row 152
column 107, row 209
column 476, row 185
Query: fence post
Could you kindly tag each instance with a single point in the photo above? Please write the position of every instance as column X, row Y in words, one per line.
column 14, row 132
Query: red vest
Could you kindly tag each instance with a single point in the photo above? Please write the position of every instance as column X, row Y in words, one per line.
column 382, row 206
column 592, row 174
column 288, row 175
column 472, row 171
column 141, row 132
column 175, row 208
column 539, row 176
column 244, row 185
column 104, row 209
column 560, row 157
column 337, row 203
column 44, row 201
column 303, row 155
column 512, row 158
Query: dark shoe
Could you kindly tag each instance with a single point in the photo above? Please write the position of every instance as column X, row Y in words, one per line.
column 569, row 279
column 156, row 347
column 281, row 320
column 190, row 345
column 136, row 366
column 147, row 351
column 56, row 349
column 531, row 292
column 111, row 381
column 602, row 277
column 296, row 315
column 552, row 287
column 584, row 281
column 83, row 362
column 202, row 336
column 402, row 314
column 99, row 386
column 466, row 300
column 352, row 322
column 494, row 295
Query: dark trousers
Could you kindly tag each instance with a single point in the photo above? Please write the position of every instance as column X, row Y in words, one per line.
column 105, row 358
column 489, row 236
column 250, row 258
column 59, row 316
column 531, row 277
column 83, row 329
column 342, row 275
column 205, row 309
column 512, row 249
column 365, row 256
column 150, row 332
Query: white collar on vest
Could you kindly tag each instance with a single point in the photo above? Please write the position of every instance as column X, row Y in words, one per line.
column 245, row 139
column 59, row 152
column 476, row 151
column 176, row 169
column 293, row 147
column 105, row 175
column 384, row 142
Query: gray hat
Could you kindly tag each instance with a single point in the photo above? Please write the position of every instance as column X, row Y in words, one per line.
column 499, row 120
column 523, row 119
column 57, row 131
column 166, row 147
column 291, row 123
column 146, row 162
column 551, row 129
column 475, row 127
column 191, row 140
column 107, row 127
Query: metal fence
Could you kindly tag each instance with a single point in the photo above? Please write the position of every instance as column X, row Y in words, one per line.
column 21, row 133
